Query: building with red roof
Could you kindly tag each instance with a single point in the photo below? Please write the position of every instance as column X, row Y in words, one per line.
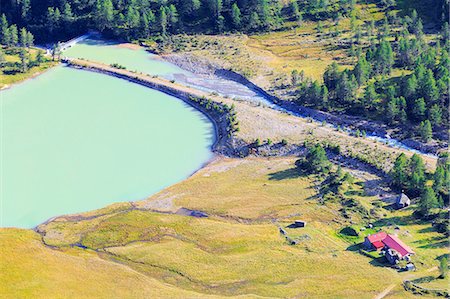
column 393, row 247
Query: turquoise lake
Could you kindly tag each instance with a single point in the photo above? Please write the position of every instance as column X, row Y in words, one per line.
column 74, row 141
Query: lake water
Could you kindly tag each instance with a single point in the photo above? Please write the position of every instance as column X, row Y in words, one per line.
column 74, row 141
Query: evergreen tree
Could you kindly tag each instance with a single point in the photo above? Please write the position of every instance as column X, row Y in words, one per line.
column 105, row 14
column 425, row 130
column 23, row 60
column 236, row 16
column 14, row 38
column 370, row 96
column 427, row 202
column 295, row 11
column 317, row 160
column 410, row 87
column 254, row 22
column 362, row 70
column 384, row 58
column 392, row 111
column 417, row 174
column 439, row 179
column 67, row 15
column 435, row 114
column 40, row 57
column 4, row 32
column 331, row 76
column 419, row 109
column 399, row 172
column 163, row 20
column 428, row 86
column 23, row 38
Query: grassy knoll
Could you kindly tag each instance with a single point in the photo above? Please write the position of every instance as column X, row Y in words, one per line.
column 31, row 270
column 9, row 73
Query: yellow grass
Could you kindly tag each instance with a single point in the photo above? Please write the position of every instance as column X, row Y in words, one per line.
column 31, row 270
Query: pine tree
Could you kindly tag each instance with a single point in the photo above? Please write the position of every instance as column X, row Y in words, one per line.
column 67, row 15
column 419, row 109
column 23, row 60
column 331, row 76
column 410, row 87
column 425, row 130
column 417, row 174
column 427, row 202
column 439, row 179
column 317, row 160
column 40, row 57
column 254, row 22
column 14, row 38
column 105, row 14
column 392, row 111
column 173, row 15
column 295, row 11
column 163, row 20
column 428, row 86
column 384, row 58
column 399, row 173
column 435, row 114
column 362, row 70
column 370, row 96
column 236, row 16
column 4, row 32
column 23, row 38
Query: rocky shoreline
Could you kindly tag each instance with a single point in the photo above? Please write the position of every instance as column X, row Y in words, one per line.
column 376, row 129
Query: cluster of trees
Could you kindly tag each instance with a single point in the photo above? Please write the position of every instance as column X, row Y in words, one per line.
column 132, row 19
column 315, row 161
column 409, row 176
column 419, row 99
column 17, row 42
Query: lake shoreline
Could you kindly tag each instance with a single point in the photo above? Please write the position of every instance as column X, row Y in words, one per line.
column 30, row 77
column 204, row 66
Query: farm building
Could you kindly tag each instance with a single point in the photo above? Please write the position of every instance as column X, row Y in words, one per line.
column 402, row 201
column 374, row 242
column 394, row 249
column 297, row 224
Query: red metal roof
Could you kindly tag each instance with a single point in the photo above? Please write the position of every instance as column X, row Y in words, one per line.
column 381, row 239
column 395, row 243
column 378, row 244
column 377, row 237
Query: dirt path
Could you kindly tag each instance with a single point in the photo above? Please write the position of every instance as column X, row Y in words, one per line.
column 385, row 291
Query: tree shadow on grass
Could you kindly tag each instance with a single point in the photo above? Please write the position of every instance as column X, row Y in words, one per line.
column 427, row 230
column 353, row 248
column 291, row 173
